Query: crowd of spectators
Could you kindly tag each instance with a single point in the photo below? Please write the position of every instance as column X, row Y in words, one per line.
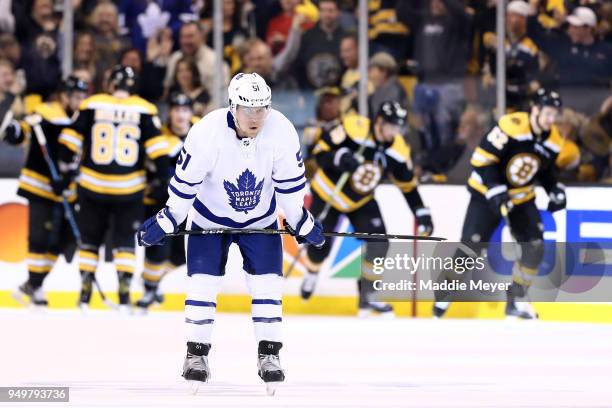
column 437, row 57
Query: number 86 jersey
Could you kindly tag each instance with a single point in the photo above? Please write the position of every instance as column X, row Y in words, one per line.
column 110, row 137
column 513, row 155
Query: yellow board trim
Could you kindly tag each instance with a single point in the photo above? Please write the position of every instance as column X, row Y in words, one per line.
column 347, row 306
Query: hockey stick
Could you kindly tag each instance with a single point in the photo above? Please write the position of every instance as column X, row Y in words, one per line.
column 6, row 113
column 344, row 177
column 270, row 231
column 42, row 142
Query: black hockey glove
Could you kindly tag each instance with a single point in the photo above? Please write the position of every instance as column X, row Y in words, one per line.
column 60, row 185
column 12, row 133
column 424, row 222
column 498, row 197
column 348, row 161
column 557, row 197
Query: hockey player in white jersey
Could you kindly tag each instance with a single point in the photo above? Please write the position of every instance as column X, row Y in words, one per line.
column 237, row 165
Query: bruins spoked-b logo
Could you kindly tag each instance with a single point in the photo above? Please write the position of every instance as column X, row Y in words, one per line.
column 367, row 176
column 521, row 168
column 245, row 194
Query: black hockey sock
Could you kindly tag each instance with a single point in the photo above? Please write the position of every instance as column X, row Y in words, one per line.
column 151, row 286
column 269, row 347
column 125, row 279
column 86, row 286
column 35, row 279
column 198, row 349
column 516, row 290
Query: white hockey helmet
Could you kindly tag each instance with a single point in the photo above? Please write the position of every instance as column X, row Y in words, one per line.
column 248, row 90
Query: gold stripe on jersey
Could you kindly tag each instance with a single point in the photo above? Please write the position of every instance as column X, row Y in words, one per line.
column 340, row 201
column 357, row 127
column 72, row 140
column 481, row 158
column 569, row 157
column 399, row 150
column 123, row 184
column 516, row 125
column 53, row 112
column 175, row 144
column 157, row 146
column 405, row 186
column 321, row 146
column 518, row 195
column 554, row 141
column 39, row 185
column 108, row 102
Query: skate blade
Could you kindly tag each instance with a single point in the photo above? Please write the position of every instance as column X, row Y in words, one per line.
column 271, row 387
column 21, row 298
column 194, row 386
column 141, row 311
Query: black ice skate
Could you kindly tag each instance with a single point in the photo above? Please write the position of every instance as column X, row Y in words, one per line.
column 27, row 295
column 520, row 310
column 308, row 285
column 268, row 365
column 439, row 309
column 368, row 306
column 517, row 306
column 151, row 297
column 86, row 289
column 195, row 367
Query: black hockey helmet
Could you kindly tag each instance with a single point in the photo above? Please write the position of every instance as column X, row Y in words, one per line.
column 180, row 99
column 74, row 84
column 393, row 112
column 544, row 97
column 123, row 78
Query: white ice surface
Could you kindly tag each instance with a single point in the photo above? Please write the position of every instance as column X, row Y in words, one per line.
column 113, row 361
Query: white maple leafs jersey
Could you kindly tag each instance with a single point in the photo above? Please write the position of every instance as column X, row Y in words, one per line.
column 222, row 181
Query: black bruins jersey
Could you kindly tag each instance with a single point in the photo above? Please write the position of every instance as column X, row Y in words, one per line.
column 175, row 144
column 112, row 136
column 511, row 155
column 384, row 26
column 35, row 177
column 390, row 161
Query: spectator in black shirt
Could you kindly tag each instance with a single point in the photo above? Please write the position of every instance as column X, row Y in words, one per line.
column 318, row 63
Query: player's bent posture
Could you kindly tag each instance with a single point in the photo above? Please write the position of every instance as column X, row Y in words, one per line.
column 160, row 259
column 519, row 151
column 48, row 231
column 236, row 166
column 107, row 144
column 385, row 155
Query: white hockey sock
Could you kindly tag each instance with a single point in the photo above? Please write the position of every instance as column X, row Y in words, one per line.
column 200, row 306
column 266, row 305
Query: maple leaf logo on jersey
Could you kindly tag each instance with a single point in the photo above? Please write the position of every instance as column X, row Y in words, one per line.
column 245, row 194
